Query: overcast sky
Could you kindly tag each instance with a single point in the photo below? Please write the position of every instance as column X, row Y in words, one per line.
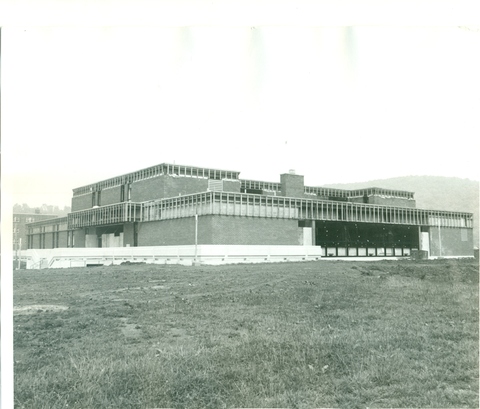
column 337, row 104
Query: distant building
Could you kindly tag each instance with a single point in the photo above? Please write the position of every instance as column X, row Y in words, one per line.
column 20, row 220
column 172, row 204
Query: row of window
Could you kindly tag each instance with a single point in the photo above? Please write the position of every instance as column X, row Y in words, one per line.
column 17, row 219
column 55, row 240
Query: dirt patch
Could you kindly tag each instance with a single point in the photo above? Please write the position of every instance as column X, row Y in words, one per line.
column 33, row 309
column 130, row 330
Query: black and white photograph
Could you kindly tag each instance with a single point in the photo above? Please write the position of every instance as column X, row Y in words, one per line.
column 239, row 205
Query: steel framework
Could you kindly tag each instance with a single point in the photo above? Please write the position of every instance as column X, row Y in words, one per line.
column 253, row 205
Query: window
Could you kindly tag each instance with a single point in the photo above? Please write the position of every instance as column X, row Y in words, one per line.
column 96, row 198
column 16, row 219
column 70, row 238
column 215, row 185
column 29, row 219
column 16, row 230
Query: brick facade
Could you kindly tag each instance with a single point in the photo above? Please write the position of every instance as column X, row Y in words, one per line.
column 170, row 232
column 128, row 235
column 250, row 219
column 35, row 243
column 81, row 202
column 63, row 239
column 111, row 195
column 169, row 186
column 47, row 234
column 177, row 186
column 232, row 186
column 20, row 227
column 254, row 230
column 159, row 187
column 292, row 185
column 79, row 238
column 148, row 189
column 221, row 230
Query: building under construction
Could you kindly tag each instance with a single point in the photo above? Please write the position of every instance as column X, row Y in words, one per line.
column 174, row 205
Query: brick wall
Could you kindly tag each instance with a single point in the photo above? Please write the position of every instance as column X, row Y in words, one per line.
column 62, row 239
column 232, row 186
column 19, row 222
column 159, row 187
column 184, row 185
column 81, row 202
column 128, row 230
column 148, row 189
column 292, row 185
column 220, row 230
column 49, row 228
column 110, row 196
column 258, row 230
column 36, row 241
column 169, row 232
column 49, row 240
column 79, row 237
column 167, row 186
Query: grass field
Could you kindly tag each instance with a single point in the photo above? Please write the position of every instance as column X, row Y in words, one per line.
column 297, row 335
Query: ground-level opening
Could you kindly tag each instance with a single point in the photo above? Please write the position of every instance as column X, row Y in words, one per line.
column 348, row 239
column 104, row 236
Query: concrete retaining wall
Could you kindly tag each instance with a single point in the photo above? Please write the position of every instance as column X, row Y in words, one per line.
column 206, row 254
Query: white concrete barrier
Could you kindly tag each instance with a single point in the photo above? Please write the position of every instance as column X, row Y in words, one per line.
column 206, row 254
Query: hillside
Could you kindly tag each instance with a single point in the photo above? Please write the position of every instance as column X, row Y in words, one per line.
column 433, row 192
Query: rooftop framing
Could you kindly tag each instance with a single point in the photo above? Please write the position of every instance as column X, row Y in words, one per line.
column 219, row 174
column 52, row 225
column 260, row 185
column 329, row 192
column 126, row 212
column 370, row 191
column 158, row 170
column 52, row 220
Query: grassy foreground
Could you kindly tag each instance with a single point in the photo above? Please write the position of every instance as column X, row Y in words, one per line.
column 297, row 335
